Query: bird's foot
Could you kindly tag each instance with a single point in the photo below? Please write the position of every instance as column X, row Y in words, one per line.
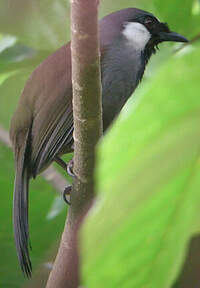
column 66, row 194
column 70, row 166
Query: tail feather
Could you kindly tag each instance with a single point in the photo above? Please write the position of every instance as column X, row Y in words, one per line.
column 20, row 211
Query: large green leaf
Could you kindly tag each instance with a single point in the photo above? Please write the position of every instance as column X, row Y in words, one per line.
column 148, row 178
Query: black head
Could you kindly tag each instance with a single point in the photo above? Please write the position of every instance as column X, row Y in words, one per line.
column 138, row 27
column 159, row 31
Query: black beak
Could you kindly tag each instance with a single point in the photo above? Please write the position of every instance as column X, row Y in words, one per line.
column 172, row 36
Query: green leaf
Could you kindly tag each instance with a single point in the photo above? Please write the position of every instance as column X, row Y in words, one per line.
column 6, row 42
column 148, row 178
column 20, row 57
column 16, row 53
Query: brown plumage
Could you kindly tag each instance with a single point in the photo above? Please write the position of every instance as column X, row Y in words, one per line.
column 41, row 129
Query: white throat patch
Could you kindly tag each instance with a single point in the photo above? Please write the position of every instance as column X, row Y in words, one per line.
column 137, row 35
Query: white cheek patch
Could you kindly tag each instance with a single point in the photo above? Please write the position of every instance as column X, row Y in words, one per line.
column 137, row 35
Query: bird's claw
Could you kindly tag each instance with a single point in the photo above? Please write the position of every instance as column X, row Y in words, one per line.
column 66, row 193
column 70, row 166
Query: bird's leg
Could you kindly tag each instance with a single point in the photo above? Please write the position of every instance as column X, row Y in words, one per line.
column 69, row 168
column 66, row 166
column 60, row 162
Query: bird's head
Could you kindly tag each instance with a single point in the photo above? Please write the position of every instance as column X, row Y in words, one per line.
column 139, row 28
column 144, row 29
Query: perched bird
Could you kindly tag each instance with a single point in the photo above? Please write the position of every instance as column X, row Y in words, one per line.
column 42, row 126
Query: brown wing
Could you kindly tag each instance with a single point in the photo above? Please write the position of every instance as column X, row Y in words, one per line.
column 47, row 102
column 56, row 133
column 47, row 99
column 52, row 130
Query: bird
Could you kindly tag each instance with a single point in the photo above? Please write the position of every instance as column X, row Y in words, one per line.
column 42, row 126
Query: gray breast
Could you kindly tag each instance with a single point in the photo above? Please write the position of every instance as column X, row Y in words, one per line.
column 121, row 68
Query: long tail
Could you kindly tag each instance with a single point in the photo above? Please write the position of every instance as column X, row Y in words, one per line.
column 20, row 210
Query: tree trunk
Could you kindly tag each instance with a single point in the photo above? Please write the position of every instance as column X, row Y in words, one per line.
column 87, row 113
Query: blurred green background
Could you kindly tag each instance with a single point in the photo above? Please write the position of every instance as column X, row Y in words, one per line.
column 148, row 200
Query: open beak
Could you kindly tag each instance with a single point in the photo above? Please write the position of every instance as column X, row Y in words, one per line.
column 172, row 36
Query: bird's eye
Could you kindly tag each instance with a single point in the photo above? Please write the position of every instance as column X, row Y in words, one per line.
column 149, row 21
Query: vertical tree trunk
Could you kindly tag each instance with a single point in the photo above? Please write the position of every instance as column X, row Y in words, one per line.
column 87, row 112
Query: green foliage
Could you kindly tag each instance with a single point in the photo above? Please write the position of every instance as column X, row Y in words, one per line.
column 148, row 184
column 10, row 90
column 180, row 15
column 39, row 24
